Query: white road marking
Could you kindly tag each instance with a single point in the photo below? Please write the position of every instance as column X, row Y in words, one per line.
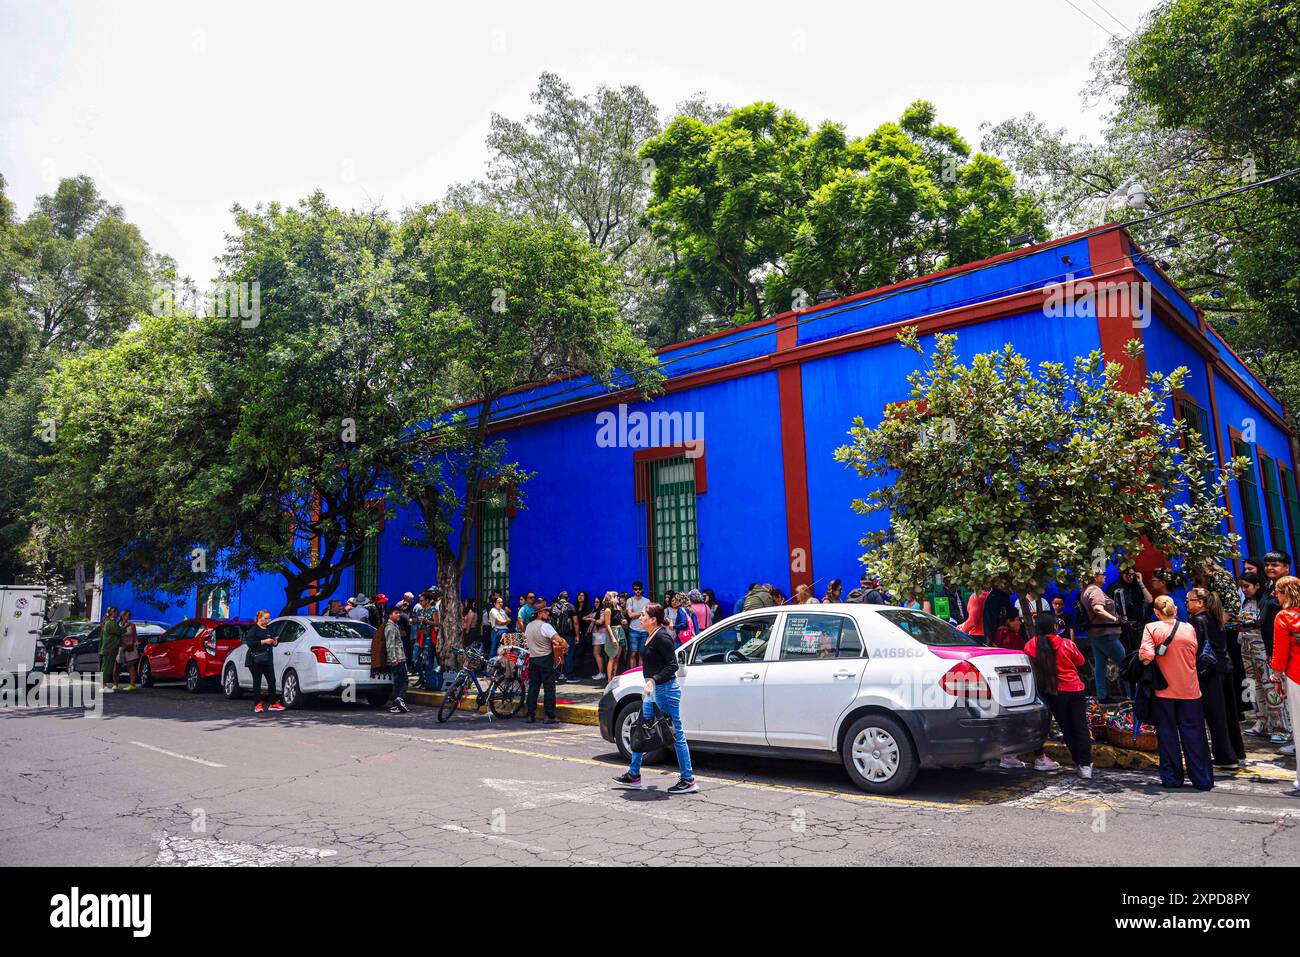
column 531, row 848
column 531, row 794
column 174, row 851
column 173, row 754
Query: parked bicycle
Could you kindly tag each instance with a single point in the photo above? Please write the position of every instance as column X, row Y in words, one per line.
column 504, row 694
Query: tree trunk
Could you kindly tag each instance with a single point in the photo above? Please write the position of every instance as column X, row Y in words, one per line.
column 451, row 631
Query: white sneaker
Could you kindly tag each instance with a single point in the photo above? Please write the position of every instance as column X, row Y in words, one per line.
column 596, row 677
column 1044, row 763
column 1085, row 772
column 1010, row 761
column 1287, row 749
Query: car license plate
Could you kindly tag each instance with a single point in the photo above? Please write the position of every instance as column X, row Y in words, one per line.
column 363, row 659
column 1017, row 684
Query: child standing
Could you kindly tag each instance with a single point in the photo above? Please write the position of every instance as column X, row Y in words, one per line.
column 1056, row 672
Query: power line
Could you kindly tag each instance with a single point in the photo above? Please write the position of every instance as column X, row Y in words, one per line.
column 1090, row 17
column 1122, row 24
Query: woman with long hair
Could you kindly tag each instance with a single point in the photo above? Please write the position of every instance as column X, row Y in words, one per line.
column 128, row 654
column 803, row 595
column 834, row 591
column 1180, row 716
column 1285, row 664
column 611, row 620
column 1206, row 613
column 1056, row 661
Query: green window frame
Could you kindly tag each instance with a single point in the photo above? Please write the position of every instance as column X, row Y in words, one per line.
column 1273, row 501
column 1292, row 496
column 1249, row 493
column 1199, row 419
column 494, row 547
column 368, row 566
column 675, row 548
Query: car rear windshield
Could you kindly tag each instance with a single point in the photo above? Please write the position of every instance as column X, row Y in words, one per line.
column 927, row 629
column 344, row 629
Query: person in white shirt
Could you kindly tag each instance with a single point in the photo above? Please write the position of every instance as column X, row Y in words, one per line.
column 541, row 663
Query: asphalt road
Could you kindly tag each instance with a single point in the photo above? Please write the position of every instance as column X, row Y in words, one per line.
column 167, row 778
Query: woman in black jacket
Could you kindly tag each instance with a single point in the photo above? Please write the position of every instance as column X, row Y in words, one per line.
column 659, row 664
column 1216, row 681
column 260, row 660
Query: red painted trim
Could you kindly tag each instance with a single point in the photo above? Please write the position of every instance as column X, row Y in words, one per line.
column 794, row 460
column 1115, row 319
column 640, row 457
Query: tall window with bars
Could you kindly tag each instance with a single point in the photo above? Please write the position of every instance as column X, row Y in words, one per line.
column 1197, row 421
column 1273, row 501
column 494, row 548
column 1249, row 493
column 674, row 545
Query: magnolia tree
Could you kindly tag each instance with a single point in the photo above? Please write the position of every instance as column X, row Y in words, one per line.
column 995, row 473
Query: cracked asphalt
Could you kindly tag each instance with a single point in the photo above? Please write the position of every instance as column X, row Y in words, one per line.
column 165, row 778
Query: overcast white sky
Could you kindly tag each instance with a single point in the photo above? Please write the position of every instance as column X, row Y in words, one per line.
column 180, row 109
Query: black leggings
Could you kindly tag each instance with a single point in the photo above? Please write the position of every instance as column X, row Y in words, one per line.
column 1070, row 709
column 1221, row 715
column 267, row 671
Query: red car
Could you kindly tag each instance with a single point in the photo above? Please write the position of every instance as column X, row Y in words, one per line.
column 193, row 650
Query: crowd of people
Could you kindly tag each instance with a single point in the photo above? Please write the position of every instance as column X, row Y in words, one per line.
column 1228, row 664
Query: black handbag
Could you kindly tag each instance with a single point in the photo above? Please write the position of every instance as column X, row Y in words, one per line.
column 653, row 734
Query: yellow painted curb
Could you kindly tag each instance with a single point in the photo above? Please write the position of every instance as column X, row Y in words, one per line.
column 566, row 713
column 1107, row 756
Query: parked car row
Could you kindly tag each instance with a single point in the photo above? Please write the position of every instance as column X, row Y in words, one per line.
column 315, row 655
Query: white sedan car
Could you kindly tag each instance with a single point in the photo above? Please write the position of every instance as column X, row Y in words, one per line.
column 316, row 655
column 883, row 690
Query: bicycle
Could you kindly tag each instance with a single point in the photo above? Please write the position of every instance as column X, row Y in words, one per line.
column 503, row 696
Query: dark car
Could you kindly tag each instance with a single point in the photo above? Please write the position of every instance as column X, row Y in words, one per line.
column 84, row 655
column 192, row 650
column 57, row 637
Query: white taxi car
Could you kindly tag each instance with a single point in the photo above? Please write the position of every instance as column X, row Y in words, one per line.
column 884, row 690
column 315, row 655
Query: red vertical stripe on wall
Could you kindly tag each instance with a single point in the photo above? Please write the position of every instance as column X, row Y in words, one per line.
column 798, row 524
column 1115, row 313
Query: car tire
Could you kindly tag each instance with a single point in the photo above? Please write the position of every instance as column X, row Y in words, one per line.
column 879, row 755
column 376, row 699
column 146, row 674
column 193, row 680
column 230, row 684
column 291, row 693
column 622, row 726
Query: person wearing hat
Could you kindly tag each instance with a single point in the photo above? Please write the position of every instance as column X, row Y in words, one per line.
column 356, row 608
column 377, row 612
column 541, row 662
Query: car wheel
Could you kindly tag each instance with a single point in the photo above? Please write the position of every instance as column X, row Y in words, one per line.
column 146, row 674
column 623, row 733
column 291, row 692
column 376, row 699
column 193, row 680
column 230, row 684
column 879, row 755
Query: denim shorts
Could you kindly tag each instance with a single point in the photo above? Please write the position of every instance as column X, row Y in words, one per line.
column 636, row 639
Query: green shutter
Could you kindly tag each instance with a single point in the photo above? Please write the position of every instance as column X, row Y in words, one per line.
column 1273, row 501
column 1250, row 502
column 494, row 553
column 1292, row 510
column 368, row 569
column 1197, row 418
column 676, row 542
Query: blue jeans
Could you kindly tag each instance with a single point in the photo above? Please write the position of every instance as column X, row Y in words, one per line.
column 432, row 672
column 1104, row 648
column 669, row 699
column 636, row 638
column 496, row 638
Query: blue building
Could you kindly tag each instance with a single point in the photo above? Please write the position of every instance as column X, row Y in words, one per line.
column 728, row 476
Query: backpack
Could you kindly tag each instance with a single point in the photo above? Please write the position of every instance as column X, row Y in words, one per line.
column 562, row 617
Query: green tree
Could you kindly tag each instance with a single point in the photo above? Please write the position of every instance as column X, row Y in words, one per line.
column 491, row 302
column 259, row 438
column 1047, row 474
column 1202, row 101
column 785, row 212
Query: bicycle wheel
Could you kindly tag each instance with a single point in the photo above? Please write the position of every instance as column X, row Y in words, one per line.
column 451, row 700
column 506, row 698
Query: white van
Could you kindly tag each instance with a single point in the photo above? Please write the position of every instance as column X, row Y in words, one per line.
column 22, row 613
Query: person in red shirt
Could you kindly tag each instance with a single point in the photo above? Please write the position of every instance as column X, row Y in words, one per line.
column 1286, row 652
column 1011, row 635
column 1056, row 673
